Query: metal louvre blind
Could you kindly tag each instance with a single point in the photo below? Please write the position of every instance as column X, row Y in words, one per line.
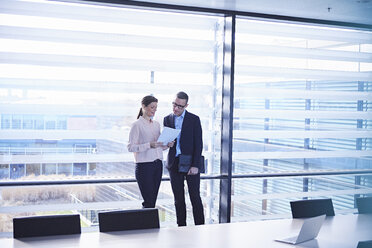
column 302, row 93
column 86, row 38
column 77, row 72
column 302, row 96
column 72, row 76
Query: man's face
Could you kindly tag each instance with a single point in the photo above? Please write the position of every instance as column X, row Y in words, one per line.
column 179, row 106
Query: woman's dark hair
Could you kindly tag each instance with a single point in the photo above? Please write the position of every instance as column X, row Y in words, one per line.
column 147, row 100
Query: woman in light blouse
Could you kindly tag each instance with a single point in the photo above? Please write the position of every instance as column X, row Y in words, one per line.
column 148, row 153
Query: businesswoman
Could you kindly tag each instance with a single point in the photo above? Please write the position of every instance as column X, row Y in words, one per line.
column 148, row 153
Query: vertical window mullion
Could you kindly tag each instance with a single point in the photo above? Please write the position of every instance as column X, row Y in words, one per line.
column 227, row 119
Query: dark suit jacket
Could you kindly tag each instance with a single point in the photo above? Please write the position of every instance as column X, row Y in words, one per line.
column 191, row 142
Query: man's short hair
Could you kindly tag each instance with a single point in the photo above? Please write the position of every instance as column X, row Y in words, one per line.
column 183, row 95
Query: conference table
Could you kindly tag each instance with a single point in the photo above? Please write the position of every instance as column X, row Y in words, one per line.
column 339, row 231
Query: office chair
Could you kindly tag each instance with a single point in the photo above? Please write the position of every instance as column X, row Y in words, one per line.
column 365, row 244
column 123, row 220
column 46, row 225
column 364, row 205
column 312, row 208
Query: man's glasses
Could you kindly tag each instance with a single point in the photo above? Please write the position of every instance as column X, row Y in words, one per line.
column 175, row 105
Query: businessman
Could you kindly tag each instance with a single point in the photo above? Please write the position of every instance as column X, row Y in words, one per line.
column 188, row 144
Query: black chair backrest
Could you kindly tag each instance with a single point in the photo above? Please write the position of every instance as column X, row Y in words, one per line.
column 128, row 220
column 364, row 205
column 46, row 225
column 365, row 244
column 312, row 208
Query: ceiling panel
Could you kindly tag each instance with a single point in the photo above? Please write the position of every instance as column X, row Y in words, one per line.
column 354, row 11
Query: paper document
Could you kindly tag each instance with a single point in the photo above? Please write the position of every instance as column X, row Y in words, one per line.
column 168, row 135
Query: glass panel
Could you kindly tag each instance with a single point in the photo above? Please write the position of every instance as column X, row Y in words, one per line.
column 33, row 170
column 27, row 122
column 301, row 104
column 5, row 121
column 16, row 122
column 83, row 98
column 65, row 169
column 266, row 198
column 49, row 169
column 4, row 171
column 88, row 200
column 73, row 80
column 300, row 121
column 17, row 171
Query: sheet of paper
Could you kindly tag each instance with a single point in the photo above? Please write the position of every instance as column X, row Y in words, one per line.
column 168, row 135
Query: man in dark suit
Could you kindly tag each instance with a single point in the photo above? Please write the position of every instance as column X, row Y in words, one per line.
column 189, row 142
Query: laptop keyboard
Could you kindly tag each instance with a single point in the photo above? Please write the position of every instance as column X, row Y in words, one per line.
column 291, row 239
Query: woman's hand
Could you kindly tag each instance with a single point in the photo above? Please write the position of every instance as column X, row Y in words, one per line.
column 155, row 144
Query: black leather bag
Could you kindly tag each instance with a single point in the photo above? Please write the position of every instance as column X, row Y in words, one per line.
column 185, row 162
column 202, row 165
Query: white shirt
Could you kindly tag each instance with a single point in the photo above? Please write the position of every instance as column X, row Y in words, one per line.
column 178, row 121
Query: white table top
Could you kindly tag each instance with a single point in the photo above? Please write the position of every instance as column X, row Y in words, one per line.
column 339, row 231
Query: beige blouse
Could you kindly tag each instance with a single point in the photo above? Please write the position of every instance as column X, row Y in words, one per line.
column 141, row 134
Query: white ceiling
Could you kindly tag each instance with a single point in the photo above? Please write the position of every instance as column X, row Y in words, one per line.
column 355, row 11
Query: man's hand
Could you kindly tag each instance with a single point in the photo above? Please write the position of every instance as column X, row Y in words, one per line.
column 193, row 171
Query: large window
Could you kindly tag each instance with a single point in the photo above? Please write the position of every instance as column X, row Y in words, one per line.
column 72, row 77
column 301, row 104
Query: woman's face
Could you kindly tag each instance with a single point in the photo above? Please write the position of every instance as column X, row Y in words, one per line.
column 150, row 109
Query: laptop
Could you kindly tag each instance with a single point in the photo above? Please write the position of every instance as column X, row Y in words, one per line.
column 309, row 230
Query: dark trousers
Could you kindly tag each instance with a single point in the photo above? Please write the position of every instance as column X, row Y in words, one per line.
column 193, row 184
column 148, row 177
